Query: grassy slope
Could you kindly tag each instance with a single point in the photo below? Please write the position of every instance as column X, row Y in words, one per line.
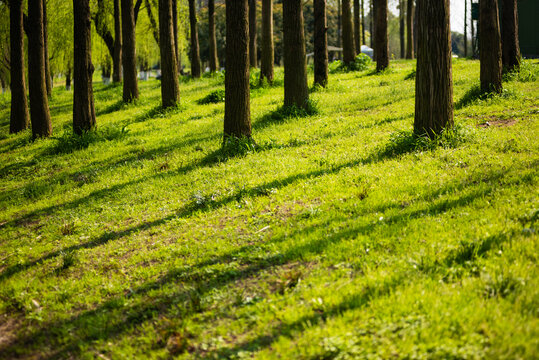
column 144, row 240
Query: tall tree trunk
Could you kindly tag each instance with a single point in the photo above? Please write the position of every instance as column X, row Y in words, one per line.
column 465, row 28
column 371, row 24
column 320, row 43
column 19, row 116
column 401, row 27
column 170, row 88
column 68, row 76
column 153, row 23
column 491, row 49
column 48, row 77
column 195, row 50
column 129, row 63
column 175, row 31
column 381, row 43
column 296, row 91
column 252, row 34
column 510, row 45
column 472, row 28
column 409, row 29
column 348, row 50
column 39, row 103
column 362, row 5
column 339, row 26
column 434, row 82
column 266, row 65
column 214, row 59
column 117, row 58
column 237, row 91
column 357, row 27
column 83, row 95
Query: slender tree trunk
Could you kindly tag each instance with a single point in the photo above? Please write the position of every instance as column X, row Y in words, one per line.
column 237, row 91
column 175, row 30
column 129, row 64
column 465, row 28
column 296, row 91
column 491, row 49
column 19, row 116
column 357, row 27
column 510, row 45
column 48, row 77
column 348, row 50
column 39, row 103
column 401, row 28
column 339, row 26
column 153, row 23
column 434, row 83
column 68, row 77
column 472, row 28
column 363, row 42
column 117, row 58
column 214, row 59
column 320, row 43
column 371, row 25
column 195, row 50
column 266, row 66
column 381, row 44
column 170, row 88
column 252, row 34
column 83, row 95
column 410, row 29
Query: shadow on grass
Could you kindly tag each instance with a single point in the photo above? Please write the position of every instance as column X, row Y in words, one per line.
column 283, row 113
column 159, row 111
column 471, row 96
column 69, row 142
column 118, row 105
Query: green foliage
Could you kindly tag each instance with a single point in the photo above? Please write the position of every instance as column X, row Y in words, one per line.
column 361, row 62
column 410, row 75
column 525, row 73
column 68, row 141
column 214, row 97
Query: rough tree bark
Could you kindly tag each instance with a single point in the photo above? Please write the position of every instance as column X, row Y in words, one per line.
column 252, row 34
column 170, row 87
column 357, row 27
column 363, row 41
column 434, row 84
column 175, row 30
column 266, row 63
column 401, row 27
column 117, row 58
column 348, row 50
column 48, row 77
column 129, row 64
column 371, row 24
column 83, row 69
column 214, row 59
column 195, row 49
column 490, row 52
column 381, row 43
column 409, row 29
column 19, row 116
column 320, row 43
column 237, row 91
column 510, row 45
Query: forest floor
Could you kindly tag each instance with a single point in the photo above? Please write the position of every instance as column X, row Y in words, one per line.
column 339, row 236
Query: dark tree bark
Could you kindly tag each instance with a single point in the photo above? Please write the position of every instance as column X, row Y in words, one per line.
column 153, row 23
column 491, row 50
column 401, row 27
column 296, row 91
column 362, row 5
column 339, row 25
column 252, row 34
column 68, row 77
column 320, row 43
column 137, row 9
column 195, row 49
column 510, row 45
column 357, row 27
column 170, row 88
column 434, row 84
column 371, row 24
column 102, row 28
column 381, row 43
column 129, row 64
column 117, row 58
column 214, row 59
column 237, row 91
column 19, row 116
column 348, row 50
column 39, row 103
column 465, row 28
column 410, row 29
column 48, row 77
column 266, row 63
column 175, row 31
column 83, row 95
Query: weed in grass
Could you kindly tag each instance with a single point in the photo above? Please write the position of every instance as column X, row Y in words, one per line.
column 361, row 62
column 525, row 73
column 214, row 97
column 68, row 228
column 410, row 75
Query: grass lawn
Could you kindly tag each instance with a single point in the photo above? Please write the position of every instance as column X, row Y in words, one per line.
column 339, row 236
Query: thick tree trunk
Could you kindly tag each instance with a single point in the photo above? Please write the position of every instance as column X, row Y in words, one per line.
column 83, row 95
column 214, row 59
column 170, row 88
column 510, row 45
column 48, row 77
column 381, row 43
column 491, row 49
column 19, row 116
column 195, row 50
column 434, row 84
column 252, row 34
column 410, row 29
column 117, row 58
column 320, row 43
column 39, row 103
column 357, row 27
column 363, row 41
column 237, row 91
column 129, row 64
column 296, row 91
column 401, row 27
column 266, row 66
column 175, row 30
column 348, row 50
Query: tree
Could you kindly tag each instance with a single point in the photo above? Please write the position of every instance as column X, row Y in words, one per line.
column 434, row 87
column 296, row 92
column 83, row 69
column 48, row 77
column 357, row 26
column 175, row 31
column 19, row 116
column 117, row 57
column 39, row 103
column 381, row 45
column 401, row 28
column 510, row 45
column 237, row 91
column 491, row 51
column 195, row 49
column 320, row 43
column 409, row 29
column 252, row 34
column 362, row 25
column 214, row 59
column 266, row 62
column 348, row 51
column 153, row 23
column 170, row 88
column 130, row 89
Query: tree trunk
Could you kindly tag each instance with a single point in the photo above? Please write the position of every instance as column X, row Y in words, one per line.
column 117, row 58
column 19, row 116
column 237, row 91
column 320, row 43
column 195, row 50
column 357, row 27
column 175, row 31
column 339, row 26
column 266, row 66
column 381, row 43
column 252, row 34
column 348, row 51
column 434, row 84
column 129, row 63
column 362, row 5
column 214, row 59
column 83, row 95
column 410, row 29
column 401, row 27
column 68, row 77
column 153, row 23
column 39, row 103
column 510, row 45
column 491, row 50
column 371, row 24
column 48, row 77
column 296, row 91
column 170, row 87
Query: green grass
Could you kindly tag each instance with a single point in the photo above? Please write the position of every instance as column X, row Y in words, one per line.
column 335, row 235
